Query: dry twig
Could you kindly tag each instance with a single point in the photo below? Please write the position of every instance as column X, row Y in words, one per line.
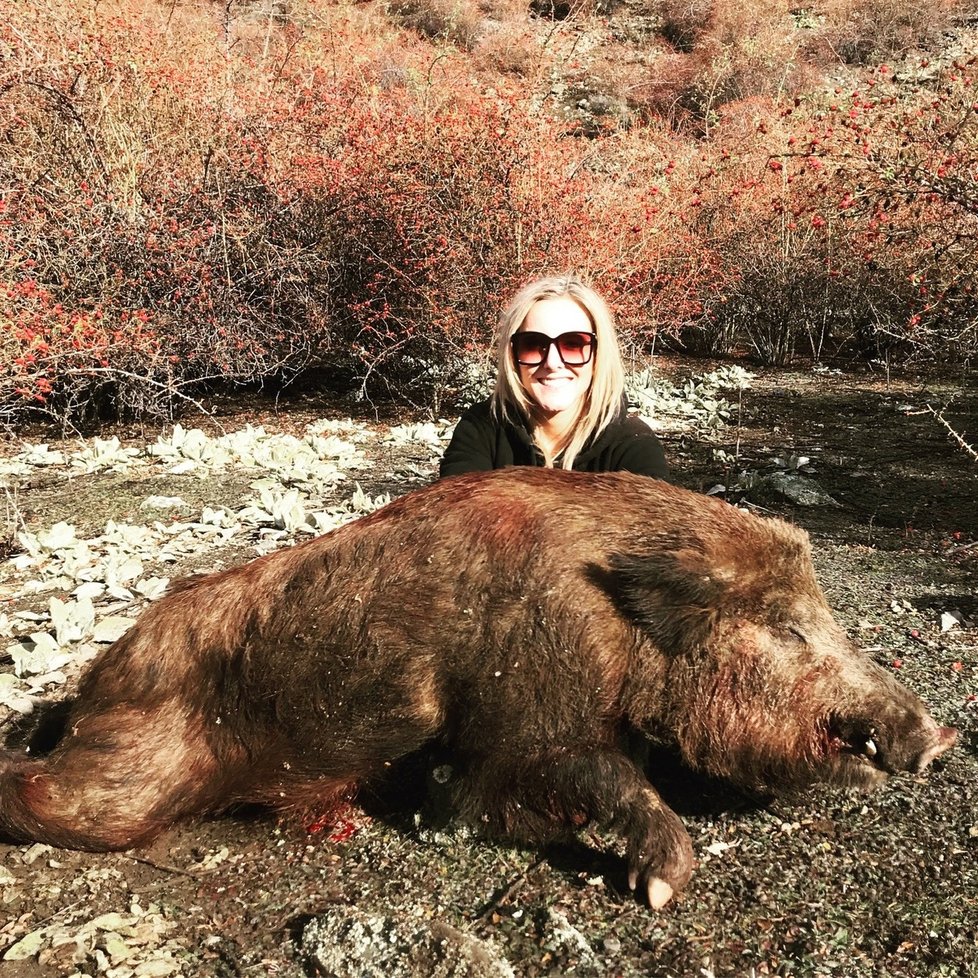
column 962, row 444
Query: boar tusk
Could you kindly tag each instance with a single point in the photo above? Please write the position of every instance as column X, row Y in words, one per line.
column 870, row 748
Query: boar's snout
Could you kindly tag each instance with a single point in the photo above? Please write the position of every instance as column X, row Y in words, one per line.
column 909, row 737
column 903, row 739
column 940, row 740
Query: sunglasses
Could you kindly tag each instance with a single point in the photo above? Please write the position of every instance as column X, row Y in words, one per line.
column 574, row 348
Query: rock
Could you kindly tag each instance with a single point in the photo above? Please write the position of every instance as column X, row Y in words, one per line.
column 790, row 486
column 563, row 934
column 951, row 619
column 346, row 943
column 164, row 502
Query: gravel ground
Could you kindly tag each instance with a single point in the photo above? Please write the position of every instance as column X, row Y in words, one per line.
column 825, row 883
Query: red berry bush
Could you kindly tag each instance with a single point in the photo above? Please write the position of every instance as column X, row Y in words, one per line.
column 238, row 193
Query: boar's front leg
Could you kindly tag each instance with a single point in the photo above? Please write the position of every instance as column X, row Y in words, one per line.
column 565, row 788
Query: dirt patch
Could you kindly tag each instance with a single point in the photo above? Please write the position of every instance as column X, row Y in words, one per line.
column 828, row 883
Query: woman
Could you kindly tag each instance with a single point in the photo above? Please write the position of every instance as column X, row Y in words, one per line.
column 559, row 398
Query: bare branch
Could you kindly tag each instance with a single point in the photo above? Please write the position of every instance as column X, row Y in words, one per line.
column 962, row 444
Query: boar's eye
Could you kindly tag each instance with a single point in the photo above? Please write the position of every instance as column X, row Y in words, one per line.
column 796, row 633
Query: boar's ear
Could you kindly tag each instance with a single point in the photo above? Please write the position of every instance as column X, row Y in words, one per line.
column 673, row 595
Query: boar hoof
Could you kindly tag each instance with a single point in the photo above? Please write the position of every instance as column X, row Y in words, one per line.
column 657, row 891
column 660, row 858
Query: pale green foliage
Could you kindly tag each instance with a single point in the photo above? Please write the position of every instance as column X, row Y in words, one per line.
column 699, row 402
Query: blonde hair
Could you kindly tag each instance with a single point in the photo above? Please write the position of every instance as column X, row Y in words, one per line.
column 602, row 402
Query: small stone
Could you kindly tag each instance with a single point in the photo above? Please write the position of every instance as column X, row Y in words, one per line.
column 951, row 619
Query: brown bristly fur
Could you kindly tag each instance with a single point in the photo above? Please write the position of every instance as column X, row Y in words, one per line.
column 525, row 620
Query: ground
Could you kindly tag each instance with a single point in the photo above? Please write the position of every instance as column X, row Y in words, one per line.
column 826, row 883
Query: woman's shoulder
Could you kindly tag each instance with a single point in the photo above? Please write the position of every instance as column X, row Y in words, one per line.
column 474, row 443
column 628, row 444
column 625, row 425
column 478, row 411
column 632, row 424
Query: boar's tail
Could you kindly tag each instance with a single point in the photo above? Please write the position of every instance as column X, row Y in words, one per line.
column 35, row 807
column 116, row 780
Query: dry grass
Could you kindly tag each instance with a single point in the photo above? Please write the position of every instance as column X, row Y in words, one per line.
column 864, row 32
column 684, row 22
column 512, row 48
column 453, row 21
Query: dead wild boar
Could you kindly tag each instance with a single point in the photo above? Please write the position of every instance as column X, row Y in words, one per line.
column 524, row 619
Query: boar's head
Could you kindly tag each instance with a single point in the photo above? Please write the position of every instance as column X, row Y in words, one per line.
column 754, row 679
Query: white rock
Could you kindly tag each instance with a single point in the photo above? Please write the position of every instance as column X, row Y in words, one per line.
column 951, row 619
column 13, row 694
column 163, row 502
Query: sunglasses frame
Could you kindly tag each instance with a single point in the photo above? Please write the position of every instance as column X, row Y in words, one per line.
column 548, row 341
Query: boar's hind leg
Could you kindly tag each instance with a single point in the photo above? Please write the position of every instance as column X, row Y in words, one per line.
column 563, row 787
column 115, row 780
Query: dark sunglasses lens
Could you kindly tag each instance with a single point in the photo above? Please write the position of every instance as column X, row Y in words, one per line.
column 530, row 349
column 575, row 348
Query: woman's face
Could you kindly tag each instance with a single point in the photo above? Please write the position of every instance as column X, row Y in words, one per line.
column 554, row 386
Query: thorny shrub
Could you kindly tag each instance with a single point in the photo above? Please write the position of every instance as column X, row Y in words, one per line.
column 863, row 32
column 722, row 51
column 140, row 249
column 237, row 193
column 181, row 206
column 683, row 22
column 440, row 20
column 848, row 225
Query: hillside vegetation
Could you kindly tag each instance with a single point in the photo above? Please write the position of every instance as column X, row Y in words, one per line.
column 202, row 192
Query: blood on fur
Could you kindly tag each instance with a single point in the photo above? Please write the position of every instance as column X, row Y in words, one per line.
column 525, row 621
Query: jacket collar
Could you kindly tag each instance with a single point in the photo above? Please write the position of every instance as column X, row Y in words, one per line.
column 595, row 446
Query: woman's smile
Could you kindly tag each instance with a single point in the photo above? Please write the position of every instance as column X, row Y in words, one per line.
column 554, row 386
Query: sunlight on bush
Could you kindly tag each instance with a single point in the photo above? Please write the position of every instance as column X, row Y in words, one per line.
column 861, row 32
column 199, row 195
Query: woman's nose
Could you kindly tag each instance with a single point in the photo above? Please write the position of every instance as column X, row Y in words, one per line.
column 553, row 360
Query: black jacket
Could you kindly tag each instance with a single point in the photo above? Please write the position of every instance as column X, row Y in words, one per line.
column 482, row 442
